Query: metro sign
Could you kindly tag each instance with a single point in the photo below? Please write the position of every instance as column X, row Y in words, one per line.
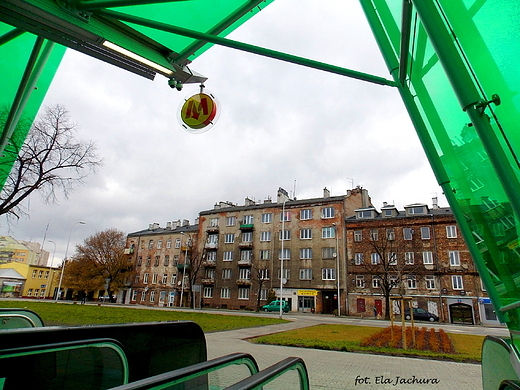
column 198, row 112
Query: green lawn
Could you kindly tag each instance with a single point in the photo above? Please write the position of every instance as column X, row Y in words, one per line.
column 348, row 337
column 75, row 314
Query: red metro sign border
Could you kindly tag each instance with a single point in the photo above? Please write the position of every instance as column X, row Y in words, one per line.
column 198, row 112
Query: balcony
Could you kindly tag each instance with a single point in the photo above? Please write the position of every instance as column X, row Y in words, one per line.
column 212, row 229
column 208, row 281
column 244, row 282
column 211, row 245
column 129, row 251
column 183, row 267
column 245, row 244
column 247, row 226
column 244, row 262
column 209, row 263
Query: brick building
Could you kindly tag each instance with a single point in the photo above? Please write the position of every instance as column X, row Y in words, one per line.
column 421, row 254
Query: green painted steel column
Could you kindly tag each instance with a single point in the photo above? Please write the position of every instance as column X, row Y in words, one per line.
column 468, row 96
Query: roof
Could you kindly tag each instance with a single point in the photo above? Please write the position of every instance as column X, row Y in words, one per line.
column 163, row 231
column 9, row 273
column 441, row 211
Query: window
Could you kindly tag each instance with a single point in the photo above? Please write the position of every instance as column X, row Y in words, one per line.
column 417, row 210
column 305, row 214
column 162, row 297
column 412, row 281
column 364, row 214
column 508, row 221
column 175, row 259
column 263, row 294
column 173, row 279
column 390, row 234
column 376, row 282
column 231, row 221
column 374, row 235
column 243, row 293
column 246, row 255
column 375, row 258
column 407, row 233
column 40, row 274
column 388, row 212
column 392, row 258
column 211, row 256
column 358, row 235
column 229, row 238
column 177, row 243
column 328, row 252
column 475, row 184
column 150, row 244
column 454, row 258
column 425, row 232
column 265, row 254
column 328, row 232
column 157, row 261
column 263, row 274
column 143, row 296
column 152, row 296
column 393, row 281
column 456, row 281
column 451, row 231
column 148, row 261
column 286, row 255
column 286, row 274
column 430, row 282
column 360, row 281
column 159, row 244
column 139, row 261
column 166, row 260
column 247, row 237
column 358, row 258
column 164, row 279
column 265, row 236
column 285, row 235
column 285, row 216
column 305, row 273
column 213, row 222
column 145, row 279
column 210, row 273
column 305, row 253
column 208, row 292
column 248, row 220
column 154, row 279
column 267, row 218
column 327, row 212
column 225, row 293
column 212, row 239
column 328, row 274
column 409, row 258
column 227, row 273
column 46, row 275
column 427, row 257
column 29, row 292
column 134, row 295
column 228, row 256
column 305, row 234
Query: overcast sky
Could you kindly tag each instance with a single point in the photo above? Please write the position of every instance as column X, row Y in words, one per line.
column 281, row 125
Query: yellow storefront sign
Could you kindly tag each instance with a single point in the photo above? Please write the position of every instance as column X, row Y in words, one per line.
column 307, row 292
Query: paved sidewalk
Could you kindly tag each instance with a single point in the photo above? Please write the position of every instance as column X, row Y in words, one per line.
column 333, row 370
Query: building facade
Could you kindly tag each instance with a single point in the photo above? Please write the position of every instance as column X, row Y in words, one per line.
column 164, row 260
column 19, row 280
column 421, row 254
column 293, row 248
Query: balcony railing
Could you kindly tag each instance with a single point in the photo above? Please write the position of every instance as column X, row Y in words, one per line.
column 244, row 262
column 247, row 226
column 211, row 245
column 212, row 229
column 207, row 281
column 243, row 282
column 245, row 244
column 209, row 263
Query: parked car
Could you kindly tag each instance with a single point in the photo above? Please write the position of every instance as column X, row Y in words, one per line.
column 420, row 314
column 275, row 306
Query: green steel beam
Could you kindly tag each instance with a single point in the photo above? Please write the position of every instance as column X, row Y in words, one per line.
column 405, row 40
column 247, row 48
column 91, row 5
column 9, row 36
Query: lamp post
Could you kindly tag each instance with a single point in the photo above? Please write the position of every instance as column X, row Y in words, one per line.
column 52, row 261
column 184, row 270
column 65, row 260
column 337, row 268
column 281, row 258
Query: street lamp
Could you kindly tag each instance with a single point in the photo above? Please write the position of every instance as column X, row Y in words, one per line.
column 184, row 270
column 281, row 257
column 65, row 260
column 52, row 261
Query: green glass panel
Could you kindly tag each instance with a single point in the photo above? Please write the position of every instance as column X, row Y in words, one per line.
column 488, row 42
column 14, row 56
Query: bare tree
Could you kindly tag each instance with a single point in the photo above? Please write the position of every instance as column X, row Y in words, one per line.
column 391, row 264
column 260, row 275
column 103, row 256
column 50, row 160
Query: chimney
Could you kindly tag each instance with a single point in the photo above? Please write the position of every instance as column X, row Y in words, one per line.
column 196, row 221
column 385, row 204
column 249, row 202
column 435, row 203
column 185, row 222
column 326, row 193
column 282, row 195
column 169, row 225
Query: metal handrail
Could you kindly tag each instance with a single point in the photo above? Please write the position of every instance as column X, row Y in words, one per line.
column 181, row 375
column 271, row 373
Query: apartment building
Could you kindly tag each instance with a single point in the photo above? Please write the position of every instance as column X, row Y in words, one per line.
column 165, row 260
column 294, row 248
column 421, row 254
